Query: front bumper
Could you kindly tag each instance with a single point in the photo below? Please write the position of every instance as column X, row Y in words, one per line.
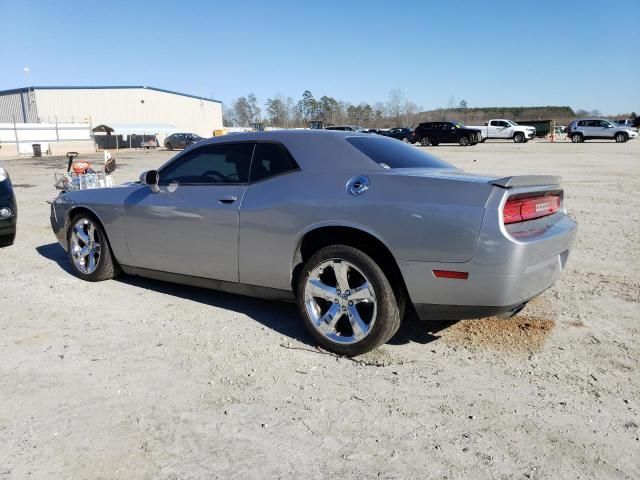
column 8, row 225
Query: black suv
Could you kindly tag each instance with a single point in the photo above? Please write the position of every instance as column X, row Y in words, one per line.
column 8, row 210
column 433, row 133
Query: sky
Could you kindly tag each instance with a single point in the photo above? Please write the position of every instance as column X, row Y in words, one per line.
column 583, row 54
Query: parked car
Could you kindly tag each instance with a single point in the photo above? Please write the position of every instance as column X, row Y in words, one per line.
column 506, row 129
column 599, row 129
column 435, row 133
column 8, row 210
column 347, row 128
column 181, row 140
column 341, row 223
column 624, row 123
column 405, row 134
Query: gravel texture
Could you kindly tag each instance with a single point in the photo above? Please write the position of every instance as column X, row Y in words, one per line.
column 141, row 379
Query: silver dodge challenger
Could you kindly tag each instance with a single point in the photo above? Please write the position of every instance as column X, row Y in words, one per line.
column 357, row 229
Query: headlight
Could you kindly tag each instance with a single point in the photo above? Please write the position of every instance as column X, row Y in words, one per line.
column 6, row 212
column 3, row 174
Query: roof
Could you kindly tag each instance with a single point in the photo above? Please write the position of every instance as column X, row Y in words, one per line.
column 104, row 87
column 136, row 128
column 313, row 149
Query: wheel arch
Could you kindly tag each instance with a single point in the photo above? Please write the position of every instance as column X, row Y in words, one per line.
column 75, row 210
column 358, row 237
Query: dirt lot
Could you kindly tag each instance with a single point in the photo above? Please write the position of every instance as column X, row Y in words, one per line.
column 137, row 379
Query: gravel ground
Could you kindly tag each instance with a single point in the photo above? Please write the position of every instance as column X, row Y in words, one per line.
column 140, row 379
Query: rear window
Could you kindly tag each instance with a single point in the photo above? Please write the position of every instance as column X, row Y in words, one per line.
column 390, row 153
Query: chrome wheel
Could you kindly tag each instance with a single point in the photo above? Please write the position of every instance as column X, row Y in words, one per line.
column 84, row 246
column 340, row 301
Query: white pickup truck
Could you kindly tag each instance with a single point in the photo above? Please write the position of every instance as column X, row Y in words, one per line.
column 500, row 128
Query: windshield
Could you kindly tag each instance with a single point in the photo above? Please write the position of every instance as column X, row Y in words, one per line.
column 390, row 153
column 512, row 123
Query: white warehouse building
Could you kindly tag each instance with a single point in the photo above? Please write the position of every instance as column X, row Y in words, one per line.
column 112, row 105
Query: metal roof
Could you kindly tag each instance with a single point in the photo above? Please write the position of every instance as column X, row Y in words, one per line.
column 104, row 87
column 136, row 128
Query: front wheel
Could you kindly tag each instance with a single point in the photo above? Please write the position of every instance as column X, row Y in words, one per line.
column 346, row 301
column 464, row 141
column 519, row 138
column 89, row 251
column 621, row 137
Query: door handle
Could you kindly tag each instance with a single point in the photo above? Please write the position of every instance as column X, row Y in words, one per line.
column 227, row 199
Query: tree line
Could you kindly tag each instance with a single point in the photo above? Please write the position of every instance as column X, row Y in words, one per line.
column 281, row 111
column 396, row 111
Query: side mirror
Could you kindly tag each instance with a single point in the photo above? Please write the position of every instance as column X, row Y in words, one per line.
column 486, row 123
column 151, row 178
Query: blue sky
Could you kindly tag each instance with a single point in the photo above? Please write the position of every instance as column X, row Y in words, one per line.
column 491, row 53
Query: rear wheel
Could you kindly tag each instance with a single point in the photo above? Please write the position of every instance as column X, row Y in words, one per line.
column 425, row 142
column 519, row 137
column 464, row 141
column 346, row 301
column 405, row 140
column 621, row 137
column 89, row 251
column 577, row 138
column 169, row 146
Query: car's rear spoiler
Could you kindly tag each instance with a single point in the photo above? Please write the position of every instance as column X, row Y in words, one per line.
column 526, row 181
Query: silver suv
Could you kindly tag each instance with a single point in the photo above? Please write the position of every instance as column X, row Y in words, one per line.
column 599, row 129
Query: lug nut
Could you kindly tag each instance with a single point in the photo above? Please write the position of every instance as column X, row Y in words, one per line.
column 348, row 292
column 335, row 300
column 338, row 291
column 350, row 302
column 344, row 308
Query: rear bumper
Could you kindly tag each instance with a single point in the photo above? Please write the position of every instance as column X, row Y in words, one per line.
column 509, row 268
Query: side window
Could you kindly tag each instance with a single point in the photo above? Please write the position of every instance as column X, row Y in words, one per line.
column 582, row 123
column 211, row 164
column 270, row 159
column 494, row 123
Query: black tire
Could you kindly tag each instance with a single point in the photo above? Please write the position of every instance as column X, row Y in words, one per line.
column 621, row 137
column 169, row 146
column 464, row 141
column 388, row 305
column 106, row 268
column 7, row 240
column 519, row 137
column 425, row 142
column 435, row 144
column 577, row 138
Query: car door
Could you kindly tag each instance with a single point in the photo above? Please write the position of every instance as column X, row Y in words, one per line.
column 269, row 217
column 501, row 129
column 448, row 132
column 190, row 226
column 603, row 129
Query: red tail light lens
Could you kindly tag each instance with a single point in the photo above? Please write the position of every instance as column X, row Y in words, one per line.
column 530, row 208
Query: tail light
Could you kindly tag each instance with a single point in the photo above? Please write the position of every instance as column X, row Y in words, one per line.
column 529, row 208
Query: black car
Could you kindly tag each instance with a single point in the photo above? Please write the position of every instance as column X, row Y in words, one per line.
column 434, row 133
column 181, row 140
column 8, row 210
column 402, row 133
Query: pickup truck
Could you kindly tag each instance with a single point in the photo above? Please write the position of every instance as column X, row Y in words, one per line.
column 500, row 128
